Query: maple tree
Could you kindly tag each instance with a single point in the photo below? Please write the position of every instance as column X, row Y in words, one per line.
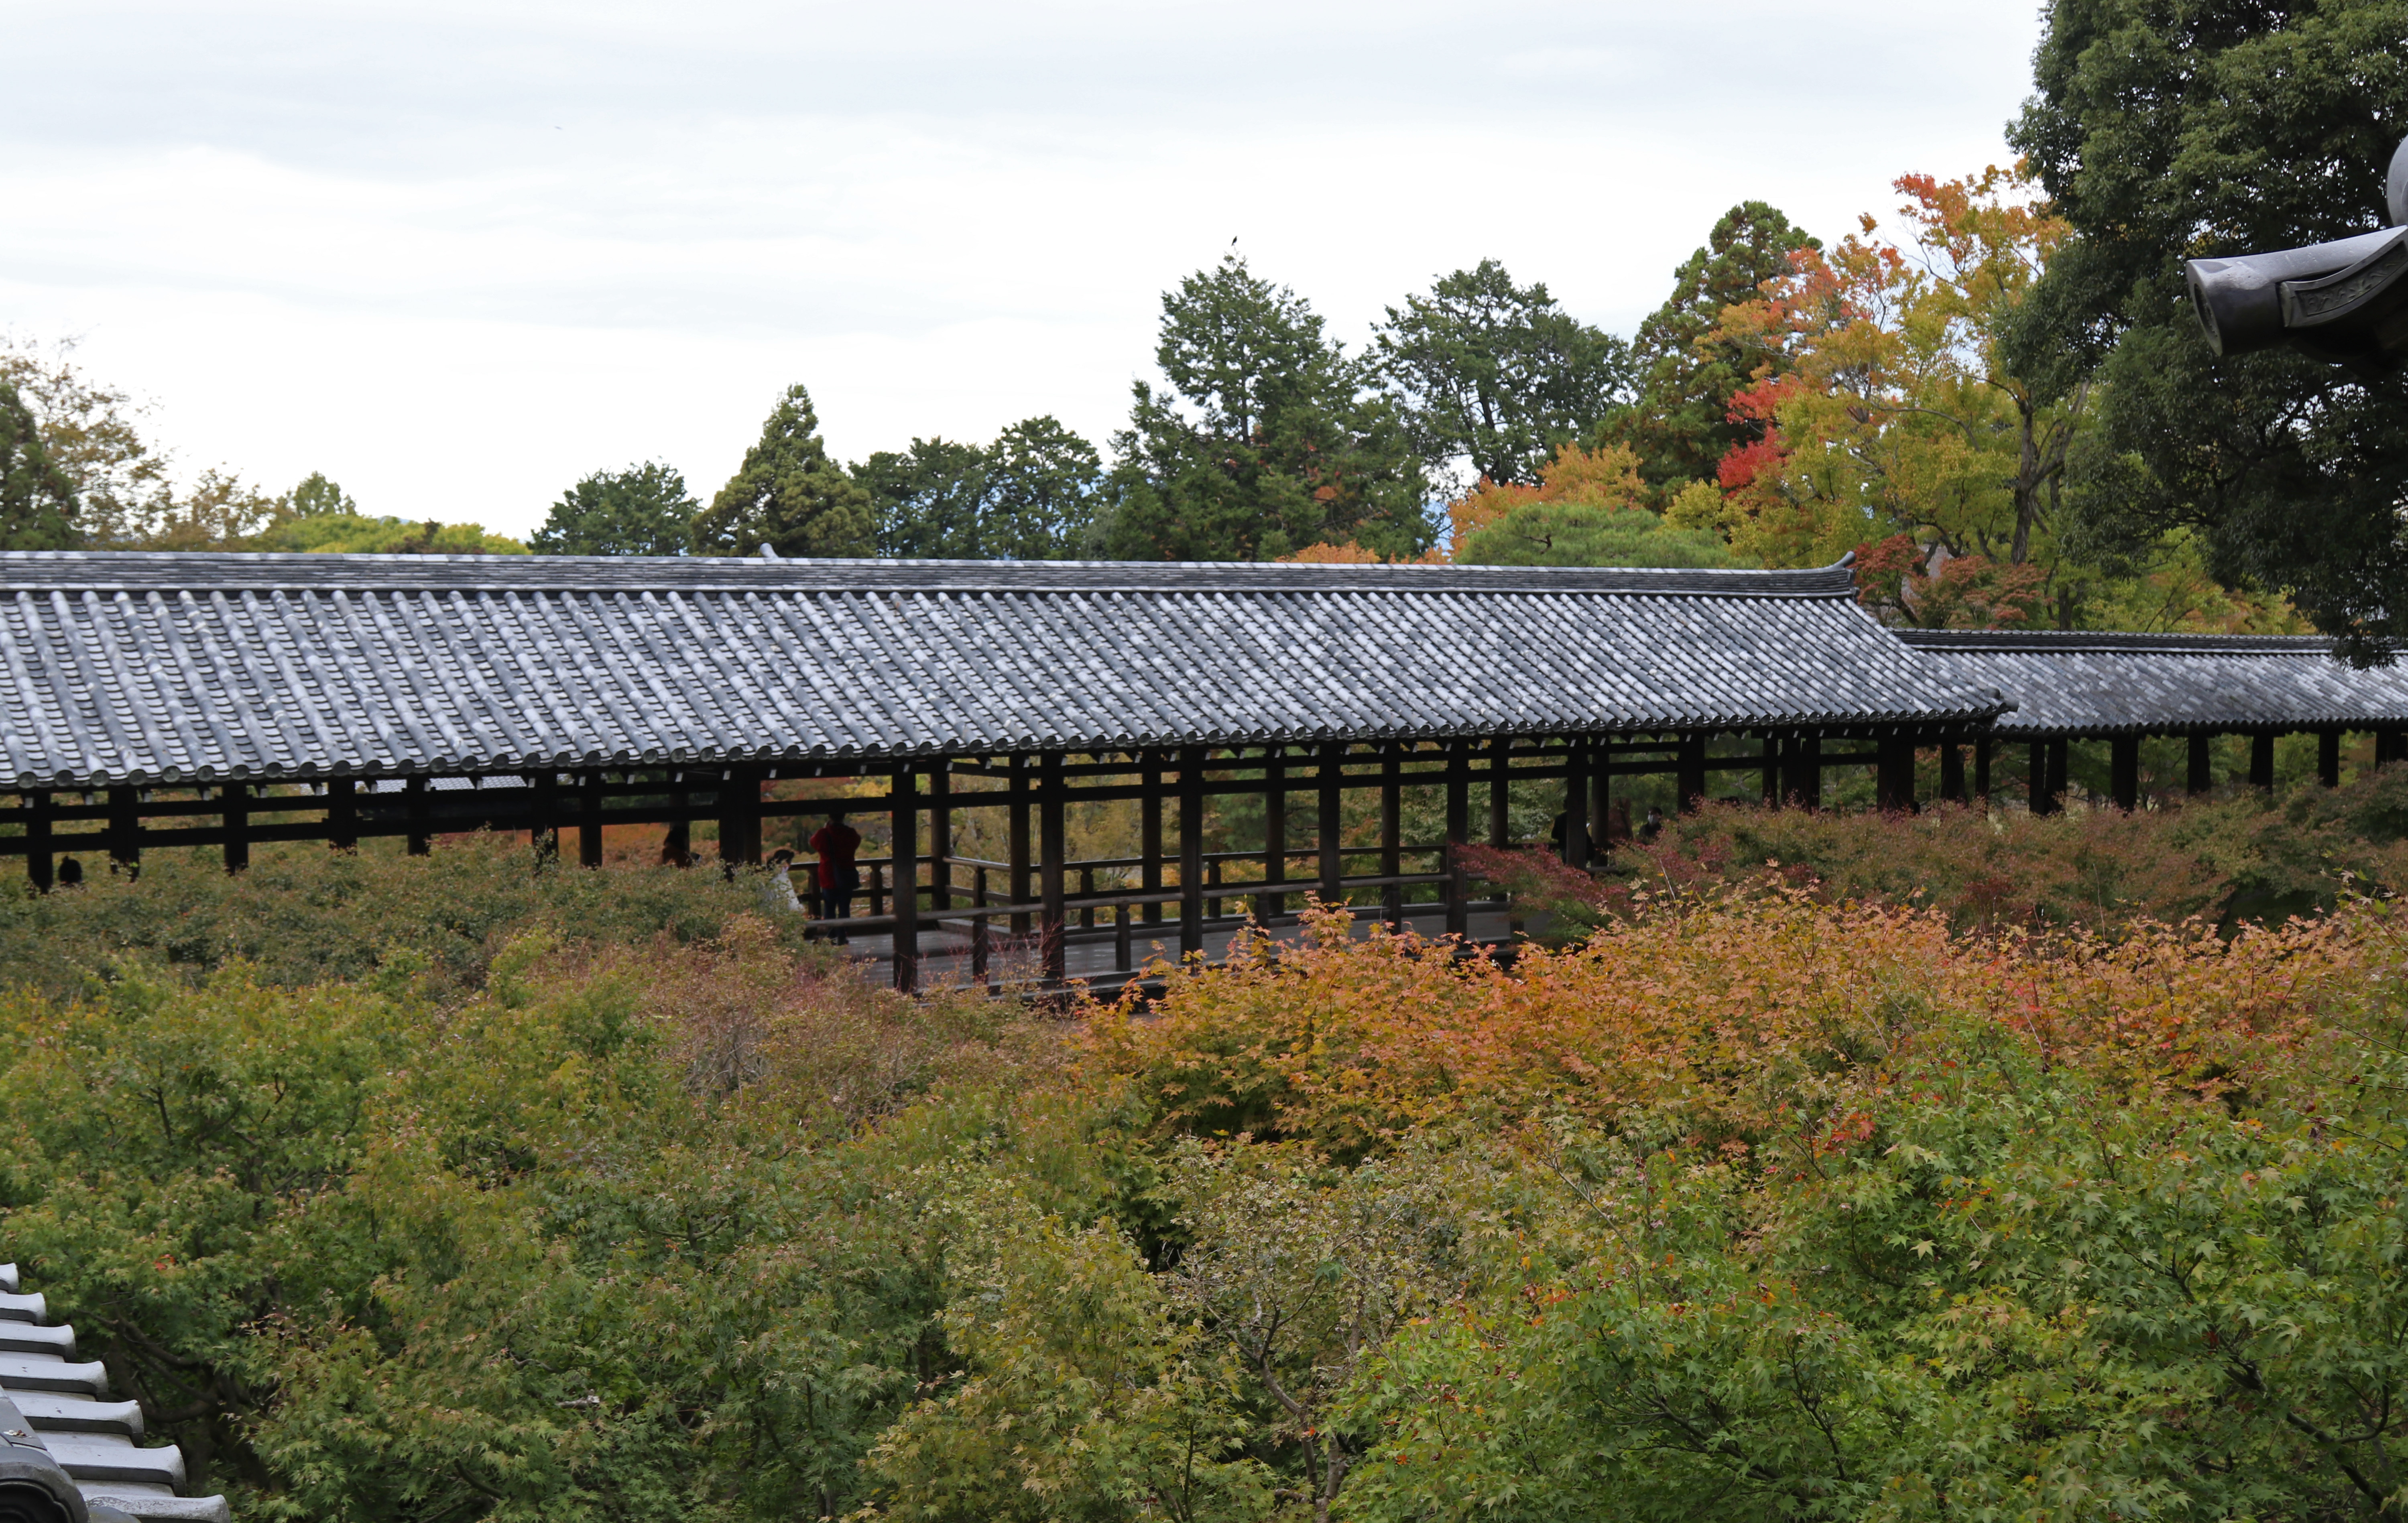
column 1588, row 507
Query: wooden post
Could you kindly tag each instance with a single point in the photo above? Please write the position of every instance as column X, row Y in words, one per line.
column 1893, row 774
column 1692, row 772
column 1051, row 933
column 2124, row 772
column 1601, row 798
column 543, row 817
column 1391, row 826
column 2043, row 800
column 38, row 866
column 1191, row 852
column 1500, row 754
column 125, row 831
column 902, row 798
column 1458, row 829
column 1982, row 770
column 2261, row 762
column 234, row 812
column 941, row 834
column 2201, row 770
column 1772, row 770
column 1269, row 907
column 1021, row 894
column 1802, row 772
column 1572, row 844
column 589, row 818
column 1332, row 822
column 740, row 817
column 1951, row 772
column 415, row 813
column 343, row 814
column 2061, row 752
column 1149, row 843
column 978, row 933
column 2328, row 759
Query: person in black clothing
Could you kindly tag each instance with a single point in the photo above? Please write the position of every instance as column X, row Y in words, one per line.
column 70, row 873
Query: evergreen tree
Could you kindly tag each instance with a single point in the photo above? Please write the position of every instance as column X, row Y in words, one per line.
column 1681, row 424
column 1268, row 438
column 1498, row 374
column 642, row 511
column 2163, row 130
column 929, row 500
column 789, row 495
column 1042, row 482
column 37, row 506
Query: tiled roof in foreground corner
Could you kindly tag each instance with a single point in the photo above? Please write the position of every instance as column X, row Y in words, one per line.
column 69, row 1420
column 2083, row 684
column 144, row 667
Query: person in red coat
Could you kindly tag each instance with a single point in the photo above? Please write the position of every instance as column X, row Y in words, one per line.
column 838, row 844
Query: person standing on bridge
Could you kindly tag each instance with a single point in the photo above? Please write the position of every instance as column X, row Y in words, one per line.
column 838, row 844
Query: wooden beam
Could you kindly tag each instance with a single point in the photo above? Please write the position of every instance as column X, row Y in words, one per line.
column 904, row 805
column 1051, row 848
column 1191, row 852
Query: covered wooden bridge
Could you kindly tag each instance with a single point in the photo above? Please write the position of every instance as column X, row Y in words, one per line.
column 221, row 701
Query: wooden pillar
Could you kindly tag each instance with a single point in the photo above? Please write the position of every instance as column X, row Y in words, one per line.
column 1332, row 821
column 589, row 818
column 417, row 818
column 1458, row 830
column 1017, row 813
column 739, row 816
column 125, row 831
column 2201, row 770
column 1894, row 773
column 234, row 813
column 1952, row 771
column 1771, row 779
column 2328, row 759
column 543, row 817
column 2124, row 772
column 1500, row 754
column 941, row 834
column 2044, row 801
column 903, row 801
column 1802, row 781
column 1391, row 826
column 1573, row 844
column 2261, row 762
column 1982, row 770
column 1052, row 930
column 343, row 814
column 2389, row 748
column 1269, row 907
column 1149, row 833
column 38, row 866
column 1691, row 770
column 1191, row 851
column 2059, row 776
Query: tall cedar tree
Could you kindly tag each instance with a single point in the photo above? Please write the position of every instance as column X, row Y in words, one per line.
column 2166, row 129
column 1681, row 424
column 1498, row 374
column 1028, row 496
column 642, row 511
column 37, row 506
column 1282, row 441
column 788, row 494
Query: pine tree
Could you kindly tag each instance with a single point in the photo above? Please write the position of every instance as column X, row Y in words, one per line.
column 37, row 506
column 789, row 495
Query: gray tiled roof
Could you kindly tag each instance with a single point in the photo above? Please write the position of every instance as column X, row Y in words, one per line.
column 129, row 667
column 2085, row 683
column 98, row 1442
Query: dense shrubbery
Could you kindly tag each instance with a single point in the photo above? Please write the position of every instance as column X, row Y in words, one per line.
column 594, row 1201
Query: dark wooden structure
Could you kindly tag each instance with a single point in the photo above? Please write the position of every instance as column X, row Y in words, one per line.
column 224, row 700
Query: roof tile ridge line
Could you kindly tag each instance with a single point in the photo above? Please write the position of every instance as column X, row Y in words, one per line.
column 160, row 611
column 77, row 660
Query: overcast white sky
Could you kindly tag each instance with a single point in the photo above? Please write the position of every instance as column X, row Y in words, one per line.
column 456, row 256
